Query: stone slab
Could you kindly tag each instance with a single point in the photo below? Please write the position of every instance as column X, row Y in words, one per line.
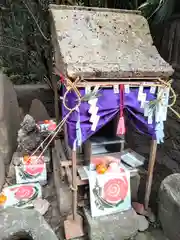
column 118, row 226
column 9, row 119
column 9, row 123
column 13, row 221
column 169, row 206
column 38, row 111
column 76, row 29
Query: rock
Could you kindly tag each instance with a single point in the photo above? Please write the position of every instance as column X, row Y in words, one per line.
column 21, row 134
column 28, row 125
column 30, row 142
column 122, row 225
column 143, row 224
column 29, row 137
column 41, row 205
column 14, row 221
column 9, row 123
column 169, row 206
column 38, row 111
column 9, row 118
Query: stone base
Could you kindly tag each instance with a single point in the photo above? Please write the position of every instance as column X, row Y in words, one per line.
column 14, row 221
column 118, row 226
column 169, row 206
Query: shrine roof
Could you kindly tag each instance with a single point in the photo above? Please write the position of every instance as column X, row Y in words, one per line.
column 105, row 43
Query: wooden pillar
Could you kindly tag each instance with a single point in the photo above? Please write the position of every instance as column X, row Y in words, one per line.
column 152, row 159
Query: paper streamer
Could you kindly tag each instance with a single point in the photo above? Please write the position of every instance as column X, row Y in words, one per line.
column 78, row 130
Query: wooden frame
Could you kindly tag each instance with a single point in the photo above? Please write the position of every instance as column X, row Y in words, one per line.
column 152, row 159
column 66, row 164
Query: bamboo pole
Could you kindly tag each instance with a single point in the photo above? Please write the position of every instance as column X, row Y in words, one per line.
column 152, row 159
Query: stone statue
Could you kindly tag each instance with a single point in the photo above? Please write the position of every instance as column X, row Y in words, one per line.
column 29, row 137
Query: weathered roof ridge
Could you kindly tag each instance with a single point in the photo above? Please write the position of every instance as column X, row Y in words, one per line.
column 83, row 8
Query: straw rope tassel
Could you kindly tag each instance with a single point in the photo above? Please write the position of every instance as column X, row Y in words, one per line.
column 121, row 124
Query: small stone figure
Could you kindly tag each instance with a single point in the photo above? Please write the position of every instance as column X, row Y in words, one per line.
column 28, row 124
column 29, row 137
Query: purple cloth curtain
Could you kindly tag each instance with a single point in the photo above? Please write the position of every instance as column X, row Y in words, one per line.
column 109, row 105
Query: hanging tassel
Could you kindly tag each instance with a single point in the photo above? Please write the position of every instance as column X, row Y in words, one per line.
column 121, row 124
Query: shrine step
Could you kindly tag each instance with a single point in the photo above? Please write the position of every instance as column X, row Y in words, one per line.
column 120, row 226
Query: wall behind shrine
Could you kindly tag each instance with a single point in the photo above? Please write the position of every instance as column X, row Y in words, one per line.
column 167, row 40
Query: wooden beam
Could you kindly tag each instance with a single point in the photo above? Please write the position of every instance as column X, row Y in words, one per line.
column 96, row 9
column 113, row 83
column 152, row 159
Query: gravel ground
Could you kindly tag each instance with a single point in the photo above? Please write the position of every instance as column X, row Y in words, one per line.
column 52, row 216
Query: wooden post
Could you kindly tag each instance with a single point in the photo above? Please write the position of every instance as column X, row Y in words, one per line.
column 74, row 184
column 152, row 159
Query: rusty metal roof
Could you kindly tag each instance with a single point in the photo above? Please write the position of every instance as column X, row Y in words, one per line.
column 97, row 42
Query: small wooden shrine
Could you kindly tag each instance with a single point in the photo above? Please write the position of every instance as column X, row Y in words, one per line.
column 110, row 71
